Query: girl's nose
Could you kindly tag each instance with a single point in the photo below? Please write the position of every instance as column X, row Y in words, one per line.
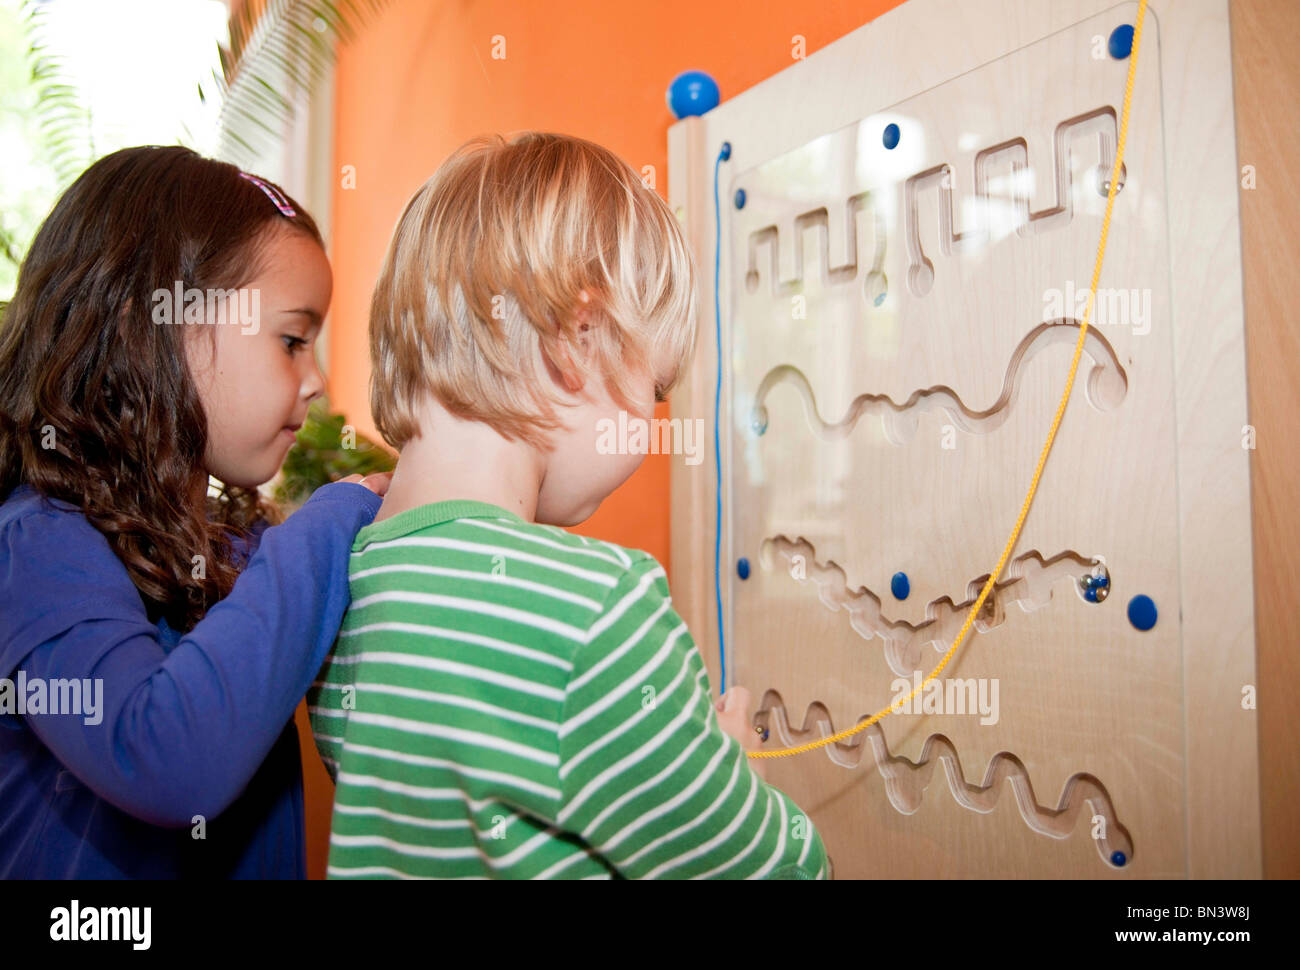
column 315, row 384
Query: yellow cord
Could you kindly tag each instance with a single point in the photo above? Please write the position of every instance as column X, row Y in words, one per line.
column 1051, row 435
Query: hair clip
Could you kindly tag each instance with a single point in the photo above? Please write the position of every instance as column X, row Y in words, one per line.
column 273, row 194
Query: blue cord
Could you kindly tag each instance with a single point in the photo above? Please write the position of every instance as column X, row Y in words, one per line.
column 724, row 154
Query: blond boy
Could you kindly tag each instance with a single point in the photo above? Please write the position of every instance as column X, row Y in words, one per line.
column 508, row 699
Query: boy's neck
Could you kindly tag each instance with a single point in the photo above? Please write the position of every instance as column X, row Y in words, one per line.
column 457, row 459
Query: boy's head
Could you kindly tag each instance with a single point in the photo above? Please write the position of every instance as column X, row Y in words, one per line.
column 537, row 286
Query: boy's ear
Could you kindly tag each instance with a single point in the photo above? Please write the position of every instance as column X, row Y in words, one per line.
column 567, row 372
column 563, row 368
column 565, row 365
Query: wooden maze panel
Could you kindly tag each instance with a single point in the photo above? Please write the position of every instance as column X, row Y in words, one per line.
column 902, row 322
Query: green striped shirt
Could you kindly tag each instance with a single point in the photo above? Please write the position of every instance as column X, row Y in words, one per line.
column 511, row 700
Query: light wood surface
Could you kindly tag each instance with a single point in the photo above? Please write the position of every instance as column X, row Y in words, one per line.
column 903, row 436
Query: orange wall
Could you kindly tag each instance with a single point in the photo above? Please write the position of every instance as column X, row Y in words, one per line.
column 420, row 80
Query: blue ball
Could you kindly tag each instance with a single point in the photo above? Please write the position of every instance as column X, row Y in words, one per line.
column 1090, row 595
column 899, row 586
column 891, row 136
column 742, row 568
column 1120, row 44
column 692, row 93
column 1118, row 858
column 1142, row 612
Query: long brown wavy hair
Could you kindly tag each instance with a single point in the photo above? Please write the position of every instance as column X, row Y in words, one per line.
column 97, row 404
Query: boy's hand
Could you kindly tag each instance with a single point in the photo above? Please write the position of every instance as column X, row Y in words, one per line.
column 734, row 719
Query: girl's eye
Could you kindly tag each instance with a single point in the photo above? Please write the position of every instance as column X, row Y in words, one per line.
column 659, row 395
column 293, row 344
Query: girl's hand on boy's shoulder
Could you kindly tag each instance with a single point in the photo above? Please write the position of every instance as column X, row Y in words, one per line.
column 734, row 719
column 377, row 483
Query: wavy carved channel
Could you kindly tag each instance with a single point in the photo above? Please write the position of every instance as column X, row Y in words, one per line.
column 1106, row 386
column 906, row 781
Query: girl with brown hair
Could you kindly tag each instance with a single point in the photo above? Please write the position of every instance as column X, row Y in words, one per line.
column 154, row 639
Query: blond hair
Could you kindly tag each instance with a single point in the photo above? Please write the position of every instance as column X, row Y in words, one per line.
column 485, row 274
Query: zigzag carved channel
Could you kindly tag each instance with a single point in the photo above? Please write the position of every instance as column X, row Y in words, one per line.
column 1098, row 126
column 1028, row 583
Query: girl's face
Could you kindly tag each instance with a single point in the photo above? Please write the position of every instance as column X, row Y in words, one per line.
column 255, row 381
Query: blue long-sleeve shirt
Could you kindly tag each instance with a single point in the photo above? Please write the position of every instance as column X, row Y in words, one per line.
column 199, row 724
